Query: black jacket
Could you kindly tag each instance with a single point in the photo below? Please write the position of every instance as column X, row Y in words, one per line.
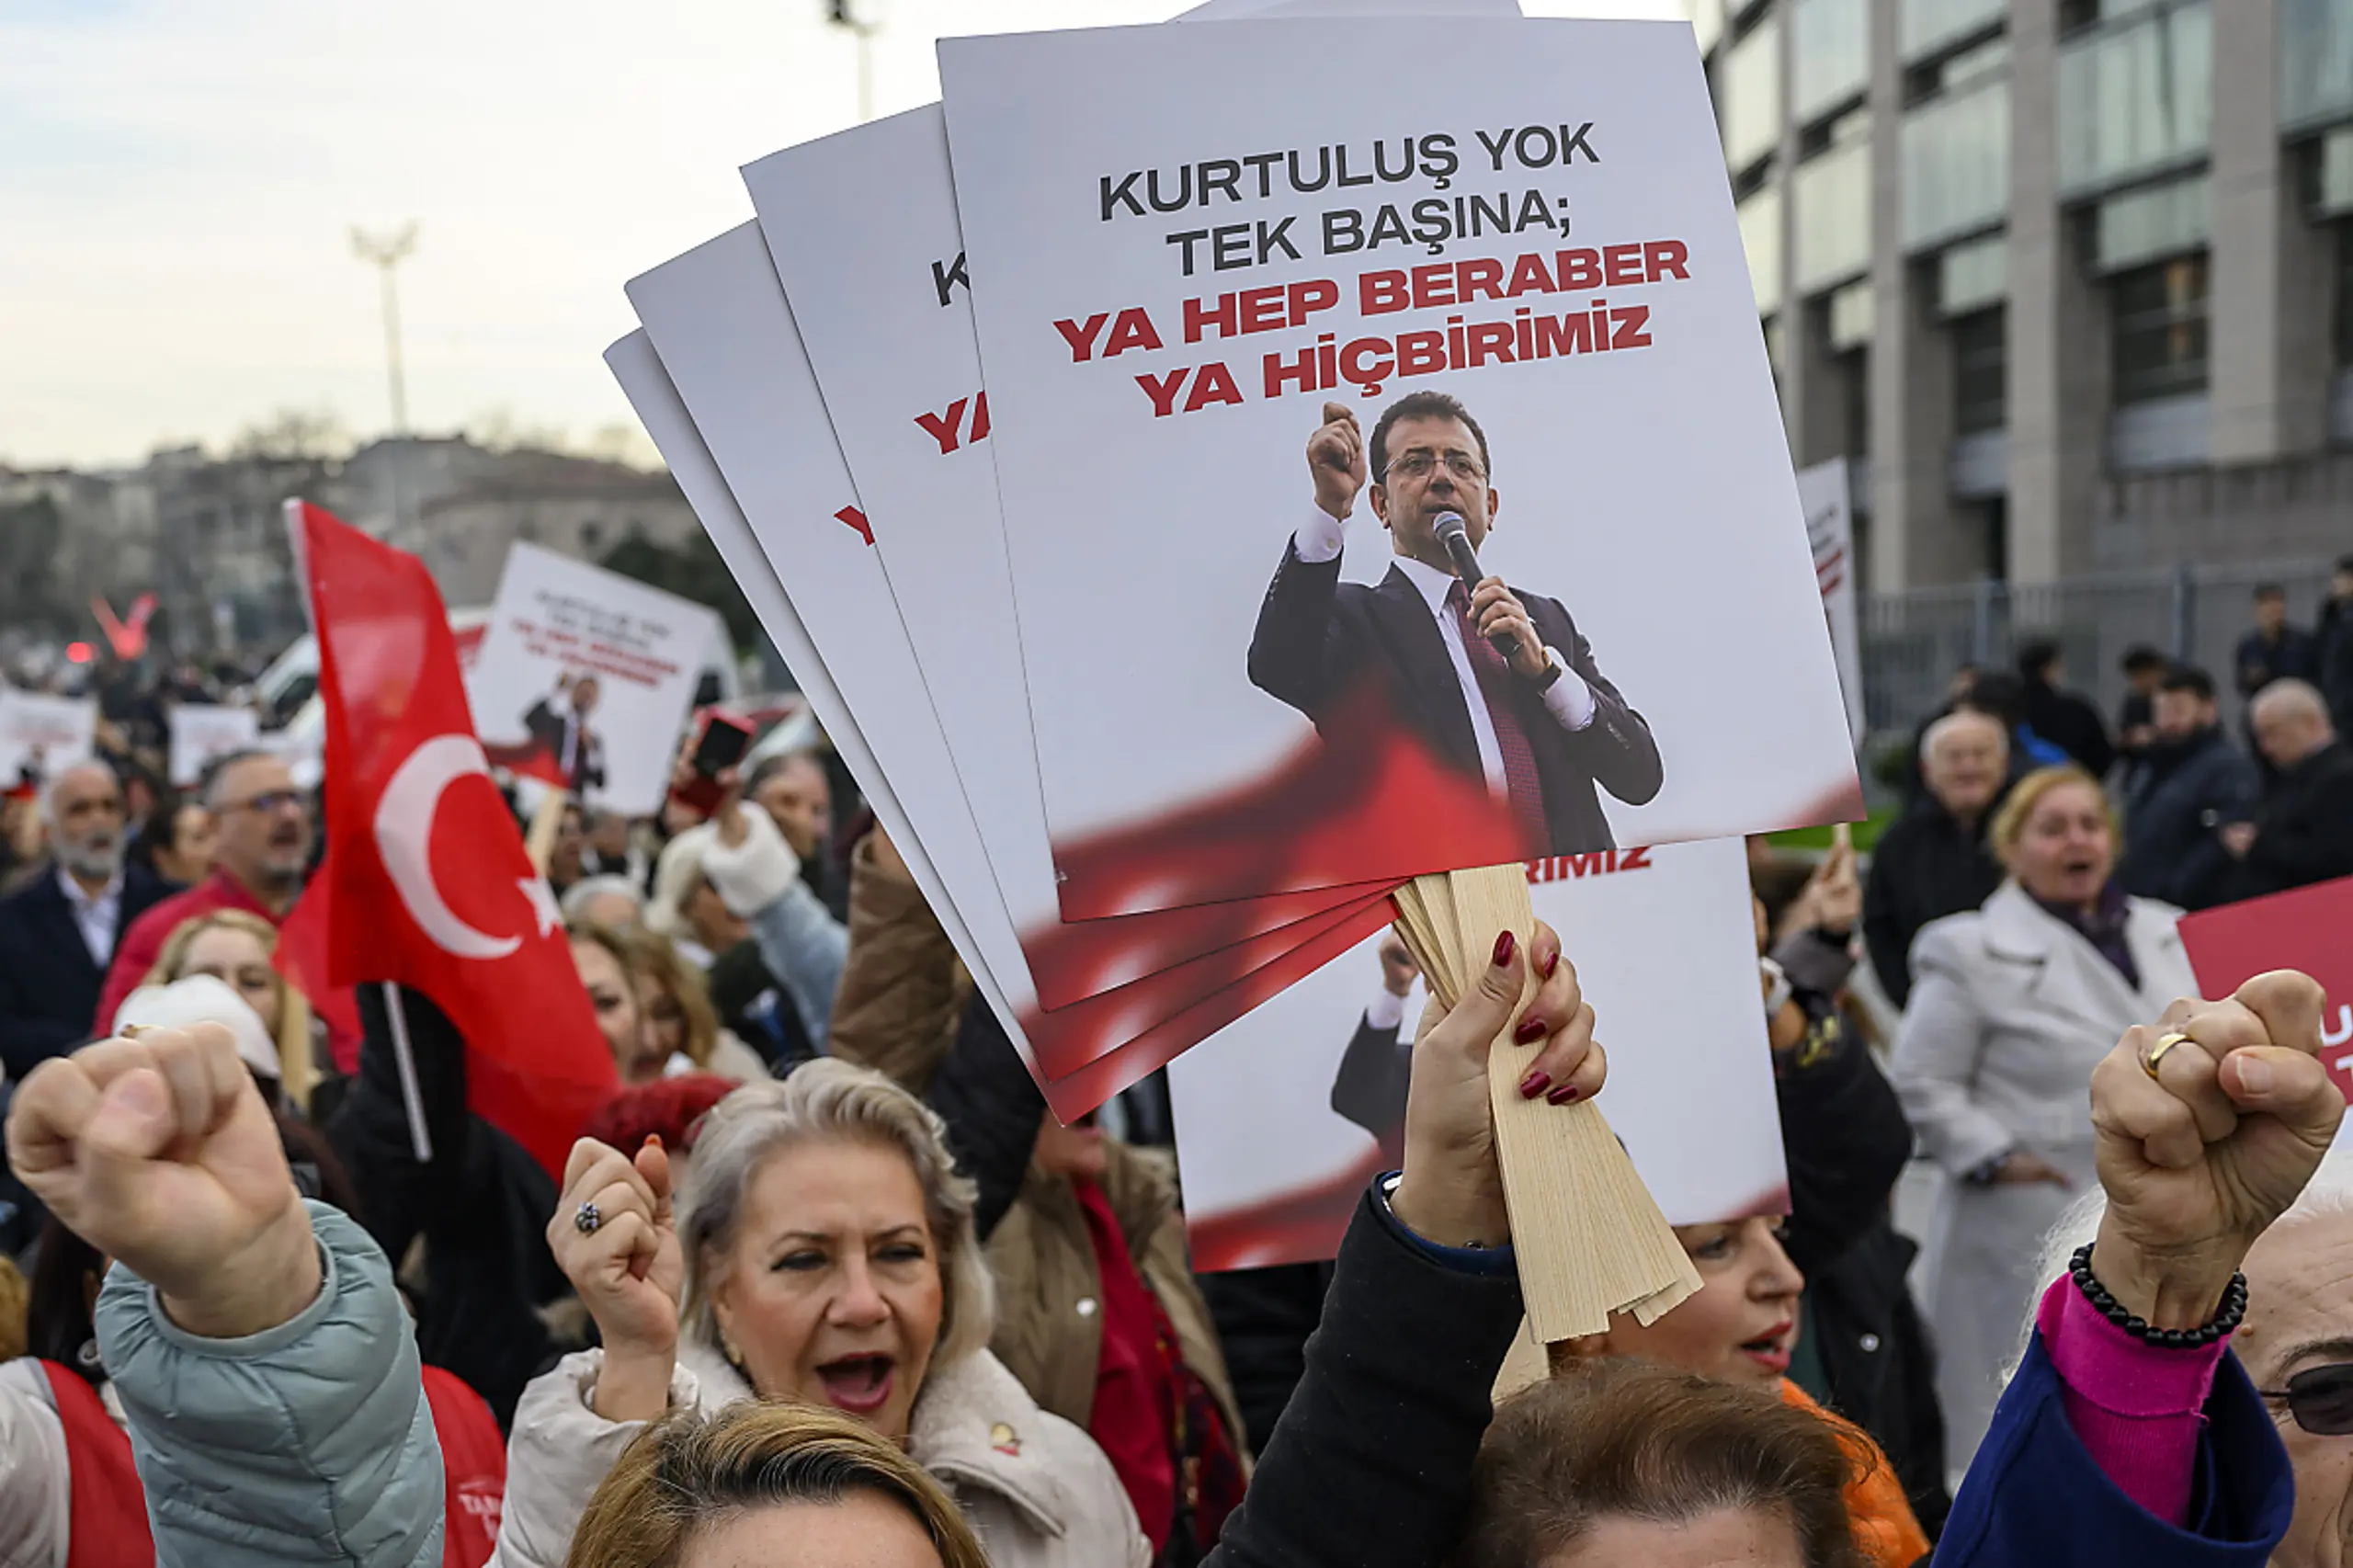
column 2257, row 663
column 1924, row 868
column 2071, row 724
column 482, row 1205
column 1369, row 1088
column 2333, row 661
column 1370, row 1465
column 2303, row 831
column 49, row 985
column 2178, row 796
column 1321, row 643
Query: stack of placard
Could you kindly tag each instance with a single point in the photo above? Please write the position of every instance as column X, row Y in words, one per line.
column 1118, row 451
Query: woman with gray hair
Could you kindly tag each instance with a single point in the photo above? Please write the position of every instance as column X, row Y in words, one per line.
column 820, row 1252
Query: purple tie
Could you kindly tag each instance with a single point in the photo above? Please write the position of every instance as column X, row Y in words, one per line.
column 1520, row 780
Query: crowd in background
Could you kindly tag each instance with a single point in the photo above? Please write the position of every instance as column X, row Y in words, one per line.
column 825, row 1271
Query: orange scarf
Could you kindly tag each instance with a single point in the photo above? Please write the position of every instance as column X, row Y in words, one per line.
column 1884, row 1526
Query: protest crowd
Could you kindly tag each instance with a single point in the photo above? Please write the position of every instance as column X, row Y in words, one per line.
column 823, row 1269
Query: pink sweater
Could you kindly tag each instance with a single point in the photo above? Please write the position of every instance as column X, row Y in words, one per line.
column 2135, row 1407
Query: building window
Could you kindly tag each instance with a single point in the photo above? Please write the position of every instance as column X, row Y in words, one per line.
column 1956, row 154
column 2344, row 294
column 2160, row 330
column 1830, row 47
column 1833, row 212
column 2316, row 62
column 1760, row 238
column 1748, row 90
column 1981, row 372
column 2136, row 98
column 1929, row 25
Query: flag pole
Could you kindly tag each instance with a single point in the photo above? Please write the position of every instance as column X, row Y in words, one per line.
column 405, row 1057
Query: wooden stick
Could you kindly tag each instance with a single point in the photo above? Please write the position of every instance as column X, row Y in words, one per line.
column 1590, row 1237
column 546, row 822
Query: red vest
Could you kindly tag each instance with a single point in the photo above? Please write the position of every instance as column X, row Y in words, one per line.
column 474, row 1464
column 109, row 1514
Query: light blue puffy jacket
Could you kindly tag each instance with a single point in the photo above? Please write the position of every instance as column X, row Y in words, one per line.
column 311, row 1443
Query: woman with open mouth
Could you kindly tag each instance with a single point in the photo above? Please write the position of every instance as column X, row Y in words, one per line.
column 822, row 1252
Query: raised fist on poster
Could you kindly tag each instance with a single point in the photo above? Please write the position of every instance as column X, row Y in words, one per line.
column 1336, row 459
column 1398, row 970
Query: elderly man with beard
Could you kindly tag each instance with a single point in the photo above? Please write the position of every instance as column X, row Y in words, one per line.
column 259, row 859
column 59, row 932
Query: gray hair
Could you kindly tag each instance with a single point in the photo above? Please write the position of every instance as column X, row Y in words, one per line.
column 1954, row 721
column 588, row 889
column 48, row 791
column 2287, row 692
column 2330, row 1193
column 830, row 1099
column 220, row 767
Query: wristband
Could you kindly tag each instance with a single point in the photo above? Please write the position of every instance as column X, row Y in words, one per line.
column 2227, row 1316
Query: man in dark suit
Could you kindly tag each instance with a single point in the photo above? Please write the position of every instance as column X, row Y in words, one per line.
column 1541, row 725
column 563, row 732
column 59, row 931
column 1369, row 1088
column 2302, row 832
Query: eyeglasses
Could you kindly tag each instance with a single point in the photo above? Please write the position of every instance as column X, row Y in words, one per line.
column 2321, row 1399
column 1417, row 464
column 274, row 802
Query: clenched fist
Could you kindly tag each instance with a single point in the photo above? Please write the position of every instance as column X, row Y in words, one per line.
column 2200, row 1156
column 627, row 1268
column 158, row 1151
column 1335, row 460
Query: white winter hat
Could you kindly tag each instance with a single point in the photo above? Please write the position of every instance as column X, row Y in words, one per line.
column 203, row 999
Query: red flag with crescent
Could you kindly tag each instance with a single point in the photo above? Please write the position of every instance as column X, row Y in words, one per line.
column 425, row 882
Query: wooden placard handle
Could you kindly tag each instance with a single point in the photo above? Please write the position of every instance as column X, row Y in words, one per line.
column 547, row 821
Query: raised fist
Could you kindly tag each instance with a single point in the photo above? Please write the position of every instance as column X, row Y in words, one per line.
column 1335, row 460
column 1398, row 970
column 615, row 1239
column 158, row 1151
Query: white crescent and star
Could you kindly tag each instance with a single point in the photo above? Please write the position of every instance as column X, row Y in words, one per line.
column 404, row 834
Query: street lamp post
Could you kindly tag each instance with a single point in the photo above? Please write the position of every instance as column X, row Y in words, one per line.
column 387, row 251
column 864, row 19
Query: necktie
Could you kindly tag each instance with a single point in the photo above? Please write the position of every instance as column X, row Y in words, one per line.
column 1520, row 780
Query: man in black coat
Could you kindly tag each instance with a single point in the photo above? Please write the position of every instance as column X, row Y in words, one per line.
column 1369, row 1088
column 1934, row 861
column 58, row 932
column 2333, row 647
column 2303, row 831
column 1542, row 726
column 2274, row 650
column 2068, row 721
column 2191, row 784
column 563, row 735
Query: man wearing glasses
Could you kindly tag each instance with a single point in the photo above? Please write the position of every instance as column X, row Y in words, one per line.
column 1541, row 725
column 264, row 850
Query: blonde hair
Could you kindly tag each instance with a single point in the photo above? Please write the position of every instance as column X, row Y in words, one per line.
column 831, row 1099
column 2010, row 823
column 687, row 1471
column 297, row 1069
column 651, row 960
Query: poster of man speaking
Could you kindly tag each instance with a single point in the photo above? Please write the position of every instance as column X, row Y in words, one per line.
column 1498, row 684
column 1528, row 285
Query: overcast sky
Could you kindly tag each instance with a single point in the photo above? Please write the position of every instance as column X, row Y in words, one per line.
column 179, row 182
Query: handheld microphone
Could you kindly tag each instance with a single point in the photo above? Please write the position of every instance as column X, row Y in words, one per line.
column 1453, row 533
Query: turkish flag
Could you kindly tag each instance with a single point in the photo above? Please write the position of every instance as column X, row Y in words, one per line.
column 425, row 882
column 2310, row 928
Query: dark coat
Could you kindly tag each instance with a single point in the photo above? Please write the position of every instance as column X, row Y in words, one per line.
column 50, row 985
column 2304, row 827
column 482, row 1205
column 1264, row 1317
column 1321, row 641
column 2071, row 723
column 2296, row 656
column 546, row 728
column 2333, row 657
column 1369, row 1088
column 2035, row 1498
column 2179, row 795
column 1924, row 868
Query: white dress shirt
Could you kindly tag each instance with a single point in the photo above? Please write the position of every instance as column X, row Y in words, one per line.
column 1569, row 699
column 97, row 915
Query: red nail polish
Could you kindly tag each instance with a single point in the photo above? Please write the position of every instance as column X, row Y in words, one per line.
column 652, row 1140
column 1534, row 1085
column 1504, row 947
column 1562, row 1095
column 1531, row 1030
column 1552, row 962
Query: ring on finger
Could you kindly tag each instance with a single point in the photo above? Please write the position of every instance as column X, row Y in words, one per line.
column 2157, row 1052
column 586, row 1218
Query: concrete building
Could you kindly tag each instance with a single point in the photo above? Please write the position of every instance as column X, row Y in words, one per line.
column 2070, row 281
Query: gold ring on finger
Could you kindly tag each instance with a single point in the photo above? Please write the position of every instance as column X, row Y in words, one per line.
column 2157, row 1052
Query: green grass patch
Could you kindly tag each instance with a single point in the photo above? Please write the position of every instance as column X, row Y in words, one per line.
column 1866, row 833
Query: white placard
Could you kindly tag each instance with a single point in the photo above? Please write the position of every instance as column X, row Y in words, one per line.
column 1823, row 491
column 200, row 732
column 585, row 679
column 41, row 734
column 717, row 318
column 1660, row 521
column 1282, row 1117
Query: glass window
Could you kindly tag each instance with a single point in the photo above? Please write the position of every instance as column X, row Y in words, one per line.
column 2333, row 175
column 1833, row 194
column 1749, row 90
column 1957, row 164
column 2315, row 61
column 1929, row 25
column 2154, row 220
column 1707, row 21
column 1760, row 236
column 1852, row 309
column 1974, row 276
column 2136, row 98
column 2160, row 330
column 1830, row 44
column 1980, row 367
